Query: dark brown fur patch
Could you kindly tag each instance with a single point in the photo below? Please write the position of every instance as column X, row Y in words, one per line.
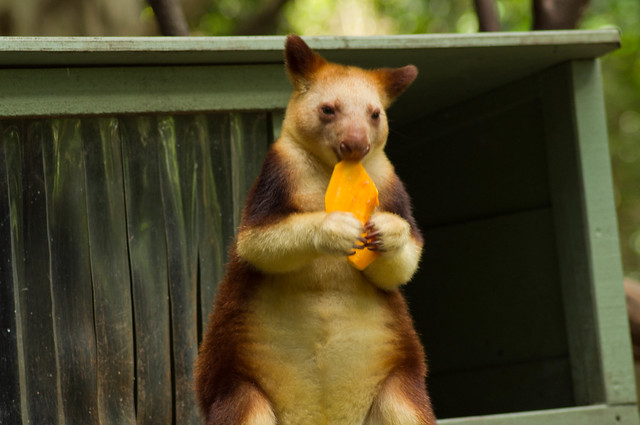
column 220, row 371
column 395, row 199
column 410, row 365
column 269, row 200
column 221, row 374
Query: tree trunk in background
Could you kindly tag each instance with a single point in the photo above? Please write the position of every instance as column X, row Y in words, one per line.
column 487, row 13
column 557, row 14
column 170, row 16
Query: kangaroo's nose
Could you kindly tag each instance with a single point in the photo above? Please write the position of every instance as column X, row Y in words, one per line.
column 355, row 144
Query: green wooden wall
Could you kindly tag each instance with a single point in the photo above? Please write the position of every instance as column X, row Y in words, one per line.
column 115, row 239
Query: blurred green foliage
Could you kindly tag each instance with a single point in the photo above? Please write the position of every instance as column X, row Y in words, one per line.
column 621, row 70
column 621, row 73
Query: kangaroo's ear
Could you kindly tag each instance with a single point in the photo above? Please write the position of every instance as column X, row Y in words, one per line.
column 301, row 62
column 395, row 80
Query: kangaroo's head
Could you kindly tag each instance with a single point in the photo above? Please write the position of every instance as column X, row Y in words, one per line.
column 339, row 112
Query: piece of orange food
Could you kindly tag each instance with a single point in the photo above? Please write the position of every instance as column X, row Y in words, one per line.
column 352, row 190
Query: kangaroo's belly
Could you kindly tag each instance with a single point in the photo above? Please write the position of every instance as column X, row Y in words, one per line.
column 320, row 343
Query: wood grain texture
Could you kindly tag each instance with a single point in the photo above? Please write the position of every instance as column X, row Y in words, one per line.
column 249, row 142
column 178, row 174
column 110, row 273
column 148, row 260
column 71, row 288
column 10, row 352
column 215, row 208
column 42, row 385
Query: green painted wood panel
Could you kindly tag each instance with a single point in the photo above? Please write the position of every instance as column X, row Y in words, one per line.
column 454, row 68
column 70, row 273
column 587, row 234
column 565, row 173
column 602, row 231
column 109, row 270
column 218, row 50
column 115, row 90
column 591, row 415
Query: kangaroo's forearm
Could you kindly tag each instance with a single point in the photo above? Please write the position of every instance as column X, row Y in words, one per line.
column 283, row 246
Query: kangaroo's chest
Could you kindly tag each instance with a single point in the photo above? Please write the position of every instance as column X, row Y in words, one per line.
column 320, row 343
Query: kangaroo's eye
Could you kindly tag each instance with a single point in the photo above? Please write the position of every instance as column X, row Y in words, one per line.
column 327, row 110
column 375, row 115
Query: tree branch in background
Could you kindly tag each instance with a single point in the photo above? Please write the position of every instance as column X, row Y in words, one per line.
column 170, row 17
column 487, row 15
column 263, row 22
column 557, row 14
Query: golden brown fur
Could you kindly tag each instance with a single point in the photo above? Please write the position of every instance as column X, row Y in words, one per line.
column 297, row 335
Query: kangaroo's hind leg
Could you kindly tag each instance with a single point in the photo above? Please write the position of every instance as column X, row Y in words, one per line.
column 402, row 400
column 246, row 405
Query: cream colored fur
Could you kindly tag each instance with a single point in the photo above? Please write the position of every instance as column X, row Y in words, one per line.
column 333, row 339
column 261, row 412
column 390, row 407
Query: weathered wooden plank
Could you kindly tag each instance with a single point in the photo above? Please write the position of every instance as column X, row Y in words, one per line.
column 586, row 415
column 109, row 270
column 10, row 353
column 148, row 260
column 566, row 187
column 113, row 90
column 250, row 138
column 450, row 65
column 41, row 392
column 233, row 157
column 189, row 50
column 602, row 232
column 70, row 270
column 585, row 220
column 178, row 184
column 215, row 207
